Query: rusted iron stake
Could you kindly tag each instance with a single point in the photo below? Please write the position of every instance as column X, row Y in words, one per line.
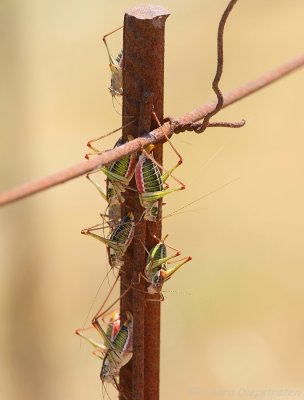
column 143, row 87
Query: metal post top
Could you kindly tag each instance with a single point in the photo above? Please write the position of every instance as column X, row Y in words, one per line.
column 148, row 11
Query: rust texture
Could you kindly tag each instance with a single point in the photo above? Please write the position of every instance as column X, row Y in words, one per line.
column 82, row 168
column 143, row 85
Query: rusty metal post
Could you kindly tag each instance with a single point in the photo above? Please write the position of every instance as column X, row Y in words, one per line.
column 143, row 87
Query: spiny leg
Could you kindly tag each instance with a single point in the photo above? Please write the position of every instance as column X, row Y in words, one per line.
column 113, row 194
column 172, row 271
column 115, row 245
column 116, row 70
column 98, row 347
column 158, row 258
column 115, row 249
column 96, row 151
column 160, row 275
column 163, row 260
column 95, row 353
column 167, row 138
column 121, row 222
column 97, row 227
column 180, row 158
column 97, row 185
column 109, row 243
column 98, row 315
column 111, row 58
column 112, row 215
column 118, row 173
column 94, row 299
column 101, row 313
column 166, row 173
column 163, row 241
column 142, row 276
column 152, row 197
column 95, row 323
column 158, row 262
column 113, row 352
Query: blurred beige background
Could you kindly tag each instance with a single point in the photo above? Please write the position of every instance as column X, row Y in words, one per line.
column 233, row 325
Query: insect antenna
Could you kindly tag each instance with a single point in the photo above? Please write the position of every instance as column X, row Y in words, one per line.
column 132, row 285
column 183, row 292
column 166, row 244
column 115, row 384
column 122, row 394
column 114, row 98
column 95, row 297
column 111, row 59
column 98, row 314
column 144, row 246
column 200, row 198
column 104, row 391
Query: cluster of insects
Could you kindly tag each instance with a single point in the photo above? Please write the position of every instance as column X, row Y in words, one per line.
column 151, row 183
column 151, row 186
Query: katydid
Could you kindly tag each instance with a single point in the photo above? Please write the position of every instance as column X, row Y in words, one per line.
column 151, row 183
column 115, row 67
column 156, row 271
column 117, row 347
column 151, row 179
column 118, row 173
column 119, row 239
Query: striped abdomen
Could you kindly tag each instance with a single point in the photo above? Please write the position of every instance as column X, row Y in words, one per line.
column 113, row 327
column 119, row 58
column 125, row 166
column 120, row 167
column 116, row 356
column 148, row 176
column 123, row 234
column 120, row 341
column 157, row 253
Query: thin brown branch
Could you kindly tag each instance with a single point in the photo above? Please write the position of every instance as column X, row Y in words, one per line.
column 155, row 136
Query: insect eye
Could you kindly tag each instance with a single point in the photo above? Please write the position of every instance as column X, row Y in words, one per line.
column 157, row 278
column 113, row 256
column 154, row 211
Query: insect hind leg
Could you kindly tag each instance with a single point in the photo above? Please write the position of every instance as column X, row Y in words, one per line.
column 111, row 58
